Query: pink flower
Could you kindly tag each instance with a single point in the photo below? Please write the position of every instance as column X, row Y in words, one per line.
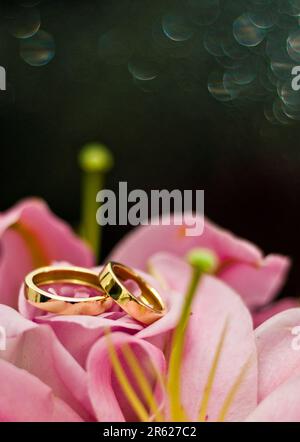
column 64, row 362
column 68, row 368
column 68, row 359
column 278, row 369
column 256, row 278
column 229, row 371
column 31, row 236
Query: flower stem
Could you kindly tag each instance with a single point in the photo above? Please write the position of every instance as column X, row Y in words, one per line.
column 202, row 261
column 95, row 161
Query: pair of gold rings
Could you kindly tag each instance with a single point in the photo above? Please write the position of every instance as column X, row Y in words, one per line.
column 107, row 287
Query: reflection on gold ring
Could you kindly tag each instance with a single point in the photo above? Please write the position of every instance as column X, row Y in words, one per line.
column 146, row 308
column 65, row 305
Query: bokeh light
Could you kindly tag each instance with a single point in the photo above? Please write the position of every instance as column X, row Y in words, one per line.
column 38, row 50
column 259, row 67
column 217, row 87
column 177, row 27
column 142, row 68
column 246, row 32
column 254, row 43
column 23, row 22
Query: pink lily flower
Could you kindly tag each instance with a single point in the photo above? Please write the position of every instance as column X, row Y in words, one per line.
column 240, row 375
column 219, row 331
column 230, row 372
column 32, row 236
column 70, row 357
column 257, row 278
column 113, row 368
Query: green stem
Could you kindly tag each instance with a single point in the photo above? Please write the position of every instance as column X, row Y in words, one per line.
column 95, row 161
column 90, row 230
column 177, row 412
column 202, row 261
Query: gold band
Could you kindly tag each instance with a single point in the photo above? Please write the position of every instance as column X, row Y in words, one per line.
column 65, row 305
column 146, row 308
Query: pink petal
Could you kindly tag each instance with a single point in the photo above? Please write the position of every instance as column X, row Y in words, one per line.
column 52, row 237
column 282, row 405
column 266, row 280
column 15, row 263
column 37, row 350
column 242, row 265
column 159, row 332
column 79, row 333
column 277, row 359
column 136, row 247
column 24, row 398
column 261, row 316
column 257, row 284
column 13, row 323
column 214, row 306
column 173, row 272
column 107, row 397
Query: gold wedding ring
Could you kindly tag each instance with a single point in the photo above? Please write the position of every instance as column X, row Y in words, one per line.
column 147, row 308
column 66, row 305
column 109, row 286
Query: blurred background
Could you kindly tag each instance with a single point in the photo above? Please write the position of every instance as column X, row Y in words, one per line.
column 146, row 78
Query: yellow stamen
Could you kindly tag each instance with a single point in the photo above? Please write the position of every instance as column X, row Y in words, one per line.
column 233, row 391
column 211, row 375
column 177, row 412
column 38, row 254
column 142, row 382
column 128, row 390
